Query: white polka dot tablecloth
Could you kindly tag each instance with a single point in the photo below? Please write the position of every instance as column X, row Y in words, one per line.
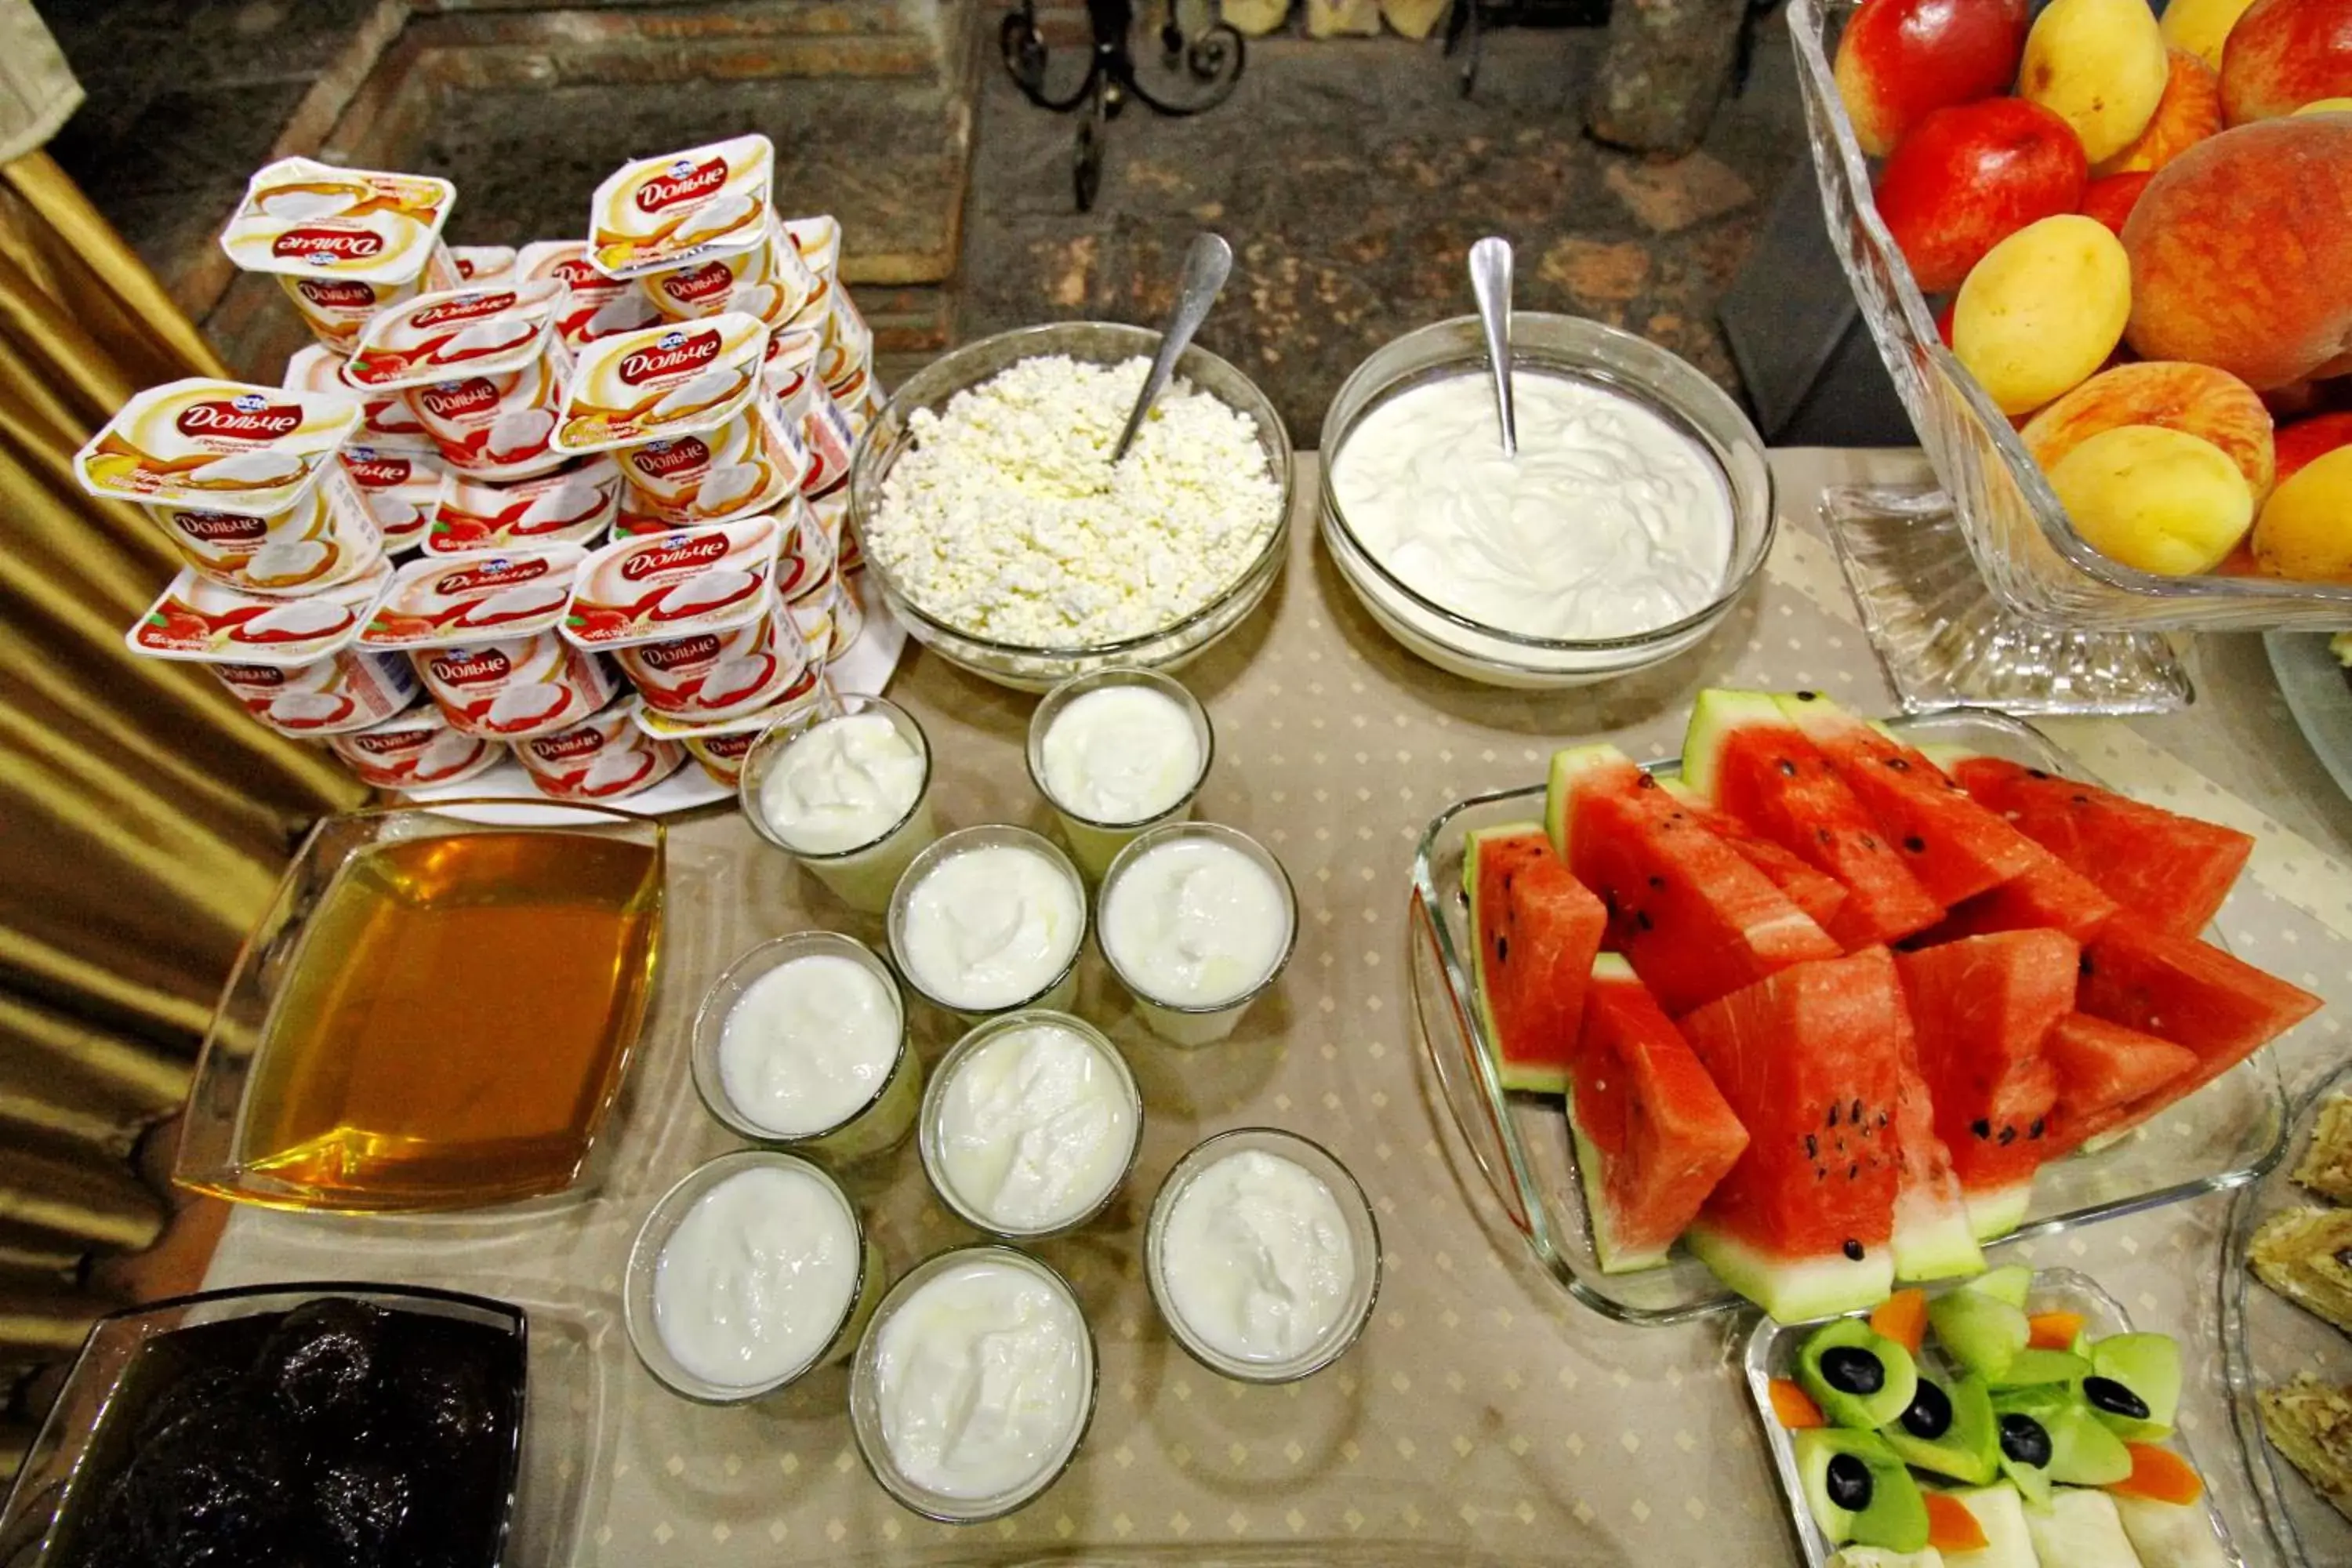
column 1484, row 1414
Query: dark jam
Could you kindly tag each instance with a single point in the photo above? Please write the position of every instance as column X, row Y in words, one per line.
column 339, row 1433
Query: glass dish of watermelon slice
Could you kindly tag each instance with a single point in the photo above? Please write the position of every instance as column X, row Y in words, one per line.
column 1769, row 1353
column 2224, row 1135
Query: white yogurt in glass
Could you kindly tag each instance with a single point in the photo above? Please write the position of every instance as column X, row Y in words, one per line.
column 757, row 1279
column 1121, row 754
column 1031, row 1124
column 1609, row 522
column 1257, row 1259
column 993, row 922
column 984, row 1378
column 808, row 1045
column 1194, row 922
column 841, row 784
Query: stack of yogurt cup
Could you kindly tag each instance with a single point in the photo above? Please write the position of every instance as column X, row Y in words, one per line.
column 513, row 419
column 973, row 1378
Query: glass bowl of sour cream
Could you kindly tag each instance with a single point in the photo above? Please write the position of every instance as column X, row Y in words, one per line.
column 1637, row 510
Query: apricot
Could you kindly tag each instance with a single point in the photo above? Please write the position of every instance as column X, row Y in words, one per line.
column 2156, row 498
column 2189, row 112
column 2201, row 27
column 2099, row 65
column 2240, row 253
column 2042, row 310
column 2284, row 53
column 2195, row 399
column 1898, row 60
column 2305, row 527
column 2327, row 105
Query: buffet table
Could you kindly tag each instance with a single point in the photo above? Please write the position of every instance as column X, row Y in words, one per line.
column 1484, row 1412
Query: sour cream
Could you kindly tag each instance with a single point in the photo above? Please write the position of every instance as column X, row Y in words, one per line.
column 842, row 784
column 989, row 927
column 1257, row 1259
column 984, row 1378
column 808, row 1045
column 1609, row 523
column 758, row 1278
column 1194, row 922
column 1121, row 754
column 1033, row 1128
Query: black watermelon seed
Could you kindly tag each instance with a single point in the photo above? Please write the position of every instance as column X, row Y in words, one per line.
column 2034, row 1131
column 2081, row 800
column 2082, row 964
column 1658, row 882
column 1502, row 950
column 2105, row 1393
column 1847, row 1482
column 1853, row 1250
column 1870, row 841
column 1647, row 782
column 1642, row 919
column 1834, row 1115
column 2035, row 773
column 2008, row 1135
column 1788, row 768
column 1980, row 1127
column 1813, row 1147
column 1929, row 1415
column 1850, row 1369
column 2024, row 1440
column 1913, row 843
column 1900, row 764
column 1851, row 1172
column 1857, row 1115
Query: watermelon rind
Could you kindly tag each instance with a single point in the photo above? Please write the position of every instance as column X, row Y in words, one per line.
column 1567, row 767
column 1995, row 1212
column 1794, row 1289
column 1521, row 1077
column 1715, row 713
column 1935, row 1237
column 1590, row 1175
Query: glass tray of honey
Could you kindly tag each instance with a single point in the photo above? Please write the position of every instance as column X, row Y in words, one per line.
column 433, row 1013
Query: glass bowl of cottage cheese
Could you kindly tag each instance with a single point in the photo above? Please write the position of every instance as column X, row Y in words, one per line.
column 1000, row 534
column 1636, row 511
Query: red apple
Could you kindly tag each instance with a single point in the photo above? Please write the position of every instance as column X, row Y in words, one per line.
column 2284, row 53
column 1899, row 60
column 2112, row 199
column 2300, row 442
column 1970, row 176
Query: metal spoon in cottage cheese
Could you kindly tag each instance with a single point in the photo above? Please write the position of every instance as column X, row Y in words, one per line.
column 1207, row 263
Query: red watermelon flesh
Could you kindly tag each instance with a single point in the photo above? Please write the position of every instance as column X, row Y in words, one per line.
column 1809, row 1061
column 1955, row 846
column 1693, row 920
column 1812, row 891
column 1980, row 1008
column 2172, row 871
column 1535, row 928
column 2049, row 894
column 2103, row 1068
column 1766, row 775
column 1653, row 1134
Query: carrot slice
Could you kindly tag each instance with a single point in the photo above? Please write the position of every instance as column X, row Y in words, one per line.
column 1951, row 1527
column 1795, row 1406
column 1903, row 1318
column 2160, row 1475
column 2055, row 1331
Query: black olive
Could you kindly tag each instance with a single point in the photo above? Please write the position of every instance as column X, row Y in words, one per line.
column 1852, row 1249
column 1931, row 1412
column 2105, row 1393
column 2024, row 1440
column 1850, row 1369
column 1847, row 1482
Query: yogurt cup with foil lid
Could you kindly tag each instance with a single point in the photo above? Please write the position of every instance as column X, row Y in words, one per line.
column 769, row 280
column 593, row 306
column 205, row 443
column 385, row 418
column 663, row 382
column 829, row 440
column 849, row 347
column 414, row 750
column 293, row 663
column 720, row 747
column 571, row 505
column 477, row 330
column 401, row 490
column 849, row 619
column 713, row 675
column 831, row 512
column 480, row 630
column 818, row 239
column 328, row 536
column 481, row 264
column 511, row 687
column 667, row 211
column 744, row 467
column 604, row 757
column 343, row 243
column 664, row 587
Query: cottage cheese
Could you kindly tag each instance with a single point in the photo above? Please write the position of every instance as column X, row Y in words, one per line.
column 1006, row 516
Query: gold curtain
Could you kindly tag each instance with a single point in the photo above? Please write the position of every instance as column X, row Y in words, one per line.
column 143, row 815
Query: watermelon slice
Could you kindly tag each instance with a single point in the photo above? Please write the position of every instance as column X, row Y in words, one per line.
column 2173, row 871
column 1535, row 930
column 1652, row 1132
column 1744, row 756
column 1934, row 1237
column 1980, row 1008
column 1809, row 1060
column 1693, row 920
column 2049, row 894
column 1817, row 894
column 1956, row 847
column 2102, row 1068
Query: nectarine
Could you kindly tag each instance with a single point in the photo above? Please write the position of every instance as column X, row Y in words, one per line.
column 2155, row 499
column 2112, row 199
column 2201, row 27
column 2241, row 257
column 2299, row 443
column 2042, row 310
column 1898, row 59
column 2195, row 399
column 2099, row 65
column 2284, row 53
column 1971, row 175
column 2189, row 112
column 2305, row 527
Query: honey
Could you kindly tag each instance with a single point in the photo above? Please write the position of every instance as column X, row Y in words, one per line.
column 455, row 1022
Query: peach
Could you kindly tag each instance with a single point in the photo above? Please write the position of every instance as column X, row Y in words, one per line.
column 2241, row 256
column 2099, row 65
column 1970, row 176
column 2195, row 399
column 2299, row 443
column 2305, row 527
column 2156, row 498
column 2201, row 27
column 2111, row 200
column 2284, row 53
column 2189, row 112
column 2042, row 310
column 1899, row 60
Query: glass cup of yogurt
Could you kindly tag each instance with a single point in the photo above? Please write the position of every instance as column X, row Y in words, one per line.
column 990, row 920
column 1116, row 750
column 1198, row 920
column 1031, row 1124
column 846, row 794
column 1262, row 1256
column 802, row 1044
column 974, row 1385
column 747, row 1274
